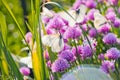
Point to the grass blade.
(15, 20)
(3, 28)
(36, 64)
(10, 60)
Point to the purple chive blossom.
(45, 19)
(101, 56)
(91, 4)
(90, 14)
(25, 71)
(110, 38)
(113, 53)
(52, 77)
(65, 21)
(84, 21)
(118, 40)
(63, 29)
(76, 52)
(107, 66)
(56, 23)
(50, 31)
(114, 2)
(92, 32)
(76, 5)
(100, 1)
(86, 51)
(46, 55)
(84, 27)
(28, 37)
(65, 41)
(111, 16)
(66, 47)
(49, 64)
(104, 28)
(72, 33)
(109, 10)
(119, 10)
(93, 43)
(117, 23)
(67, 54)
(60, 65)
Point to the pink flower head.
(93, 43)
(45, 19)
(28, 37)
(101, 1)
(46, 55)
(86, 51)
(92, 32)
(110, 38)
(66, 47)
(110, 9)
(90, 14)
(25, 71)
(84, 27)
(114, 2)
(72, 33)
(77, 4)
(104, 28)
(56, 23)
(101, 57)
(113, 53)
(50, 31)
(107, 66)
(60, 65)
(119, 10)
(111, 16)
(49, 64)
(117, 23)
(84, 21)
(91, 4)
(66, 54)
(76, 51)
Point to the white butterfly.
(23, 61)
(55, 41)
(47, 12)
(99, 20)
(78, 15)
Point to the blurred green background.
(21, 10)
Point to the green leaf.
(36, 64)
(3, 27)
(15, 20)
(10, 60)
(35, 15)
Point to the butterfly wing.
(81, 15)
(47, 12)
(27, 61)
(54, 41)
(99, 20)
(57, 45)
(48, 39)
(67, 17)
